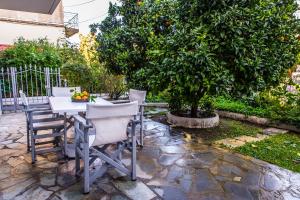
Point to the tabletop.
(65, 105)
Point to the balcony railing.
(71, 23)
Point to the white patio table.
(64, 106)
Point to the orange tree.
(198, 48)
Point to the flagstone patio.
(171, 165)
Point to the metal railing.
(71, 23)
(35, 82)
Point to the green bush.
(157, 97)
(77, 74)
(277, 104)
(35, 52)
(114, 85)
(282, 104)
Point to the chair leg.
(28, 137)
(33, 155)
(133, 154)
(65, 133)
(77, 156)
(120, 154)
(86, 173)
(142, 128)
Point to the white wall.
(57, 17)
(10, 31)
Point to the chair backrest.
(24, 99)
(110, 121)
(64, 91)
(137, 95)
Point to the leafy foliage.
(115, 85)
(35, 52)
(256, 39)
(69, 53)
(277, 103)
(198, 48)
(73, 73)
(88, 48)
(99, 77)
(238, 106)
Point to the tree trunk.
(194, 110)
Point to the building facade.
(38, 19)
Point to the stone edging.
(258, 120)
(188, 122)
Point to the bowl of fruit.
(81, 96)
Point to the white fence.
(35, 82)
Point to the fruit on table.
(81, 95)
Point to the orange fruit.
(78, 97)
(84, 97)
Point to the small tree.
(198, 48)
(256, 40)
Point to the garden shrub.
(277, 103)
(80, 66)
(114, 85)
(77, 74)
(69, 53)
(282, 104)
(160, 97)
(35, 52)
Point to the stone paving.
(172, 166)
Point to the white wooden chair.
(140, 97)
(39, 117)
(105, 125)
(64, 91)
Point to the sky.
(89, 12)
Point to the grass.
(240, 107)
(282, 150)
(227, 129)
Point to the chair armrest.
(49, 119)
(30, 110)
(42, 112)
(39, 104)
(135, 121)
(82, 121)
(120, 101)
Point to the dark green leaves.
(200, 47)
